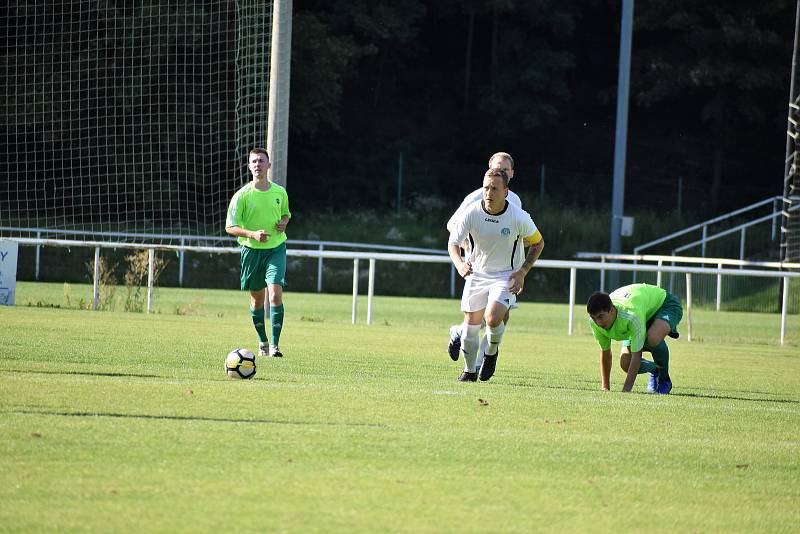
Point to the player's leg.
(483, 347)
(656, 333)
(257, 299)
(469, 346)
(456, 334)
(473, 304)
(485, 339)
(251, 280)
(646, 366)
(664, 323)
(454, 341)
(495, 326)
(275, 279)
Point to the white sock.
(495, 335)
(481, 351)
(469, 345)
(457, 329)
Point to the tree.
(723, 59)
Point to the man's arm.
(536, 244)
(633, 370)
(605, 369)
(282, 224)
(464, 268)
(238, 231)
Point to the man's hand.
(259, 235)
(605, 370)
(282, 224)
(633, 370)
(516, 282)
(465, 269)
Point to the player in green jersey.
(257, 216)
(641, 316)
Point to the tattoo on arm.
(533, 254)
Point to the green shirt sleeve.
(285, 205)
(602, 338)
(232, 218)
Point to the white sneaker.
(263, 350)
(275, 352)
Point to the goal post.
(278, 125)
(130, 117)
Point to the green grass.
(126, 422)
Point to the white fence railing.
(373, 257)
(184, 243)
(678, 260)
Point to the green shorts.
(263, 266)
(670, 311)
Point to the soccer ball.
(240, 363)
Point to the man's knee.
(257, 299)
(493, 320)
(275, 295)
(657, 332)
(654, 340)
(495, 314)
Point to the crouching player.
(641, 316)
(495, 229)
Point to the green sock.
(661, 357)
(276, 319)
(258, 322)
(647, 367)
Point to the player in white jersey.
(504, 162)
(495, 229)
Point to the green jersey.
(254, 209)
(635, 304)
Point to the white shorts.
(479, 290)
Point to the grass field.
(126, 422)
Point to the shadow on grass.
(80, 373)
(190, 418)
(731, 397)
(591, 385)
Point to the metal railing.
(776, 202)
(660, 260)
(373, 257)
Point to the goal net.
(130, 118)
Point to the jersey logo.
(491, 220)
(278, 201)
(665, 317)
(506, 232)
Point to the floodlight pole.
(621, 138)
(280, 68)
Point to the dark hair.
(598, 302)
(259, 150)
(498, 172)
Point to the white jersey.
(496, 240)
(477, 196)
